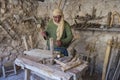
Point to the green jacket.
(67, 33)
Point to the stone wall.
(17, 19)
(71, 8)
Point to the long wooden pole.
(31, 41)
(52, 49)
(113, 52)
(51, 45)
(106, 59)
(117, 72)
(109, 65)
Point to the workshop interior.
(59, 40)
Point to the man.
(60, 31)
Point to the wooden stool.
(5, 65)
(91, 61)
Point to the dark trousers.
(63, 50)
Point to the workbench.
(51, 72)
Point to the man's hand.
(44, 34)
(58, 43)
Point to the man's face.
(57, 18)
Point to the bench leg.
(27, 74)
(3, 71)
(15, 71)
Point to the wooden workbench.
(53, 72)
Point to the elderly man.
(60, 31)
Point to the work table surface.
(51, 71)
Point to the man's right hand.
(44, 34)
(58, 43)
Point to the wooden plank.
(38, 53)
(43, 69)
(36, 59)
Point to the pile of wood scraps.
(70, 64)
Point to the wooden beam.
(38, 53)
(106, 59)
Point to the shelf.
(100, 29)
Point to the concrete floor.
(20, 76)
(12, 76)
